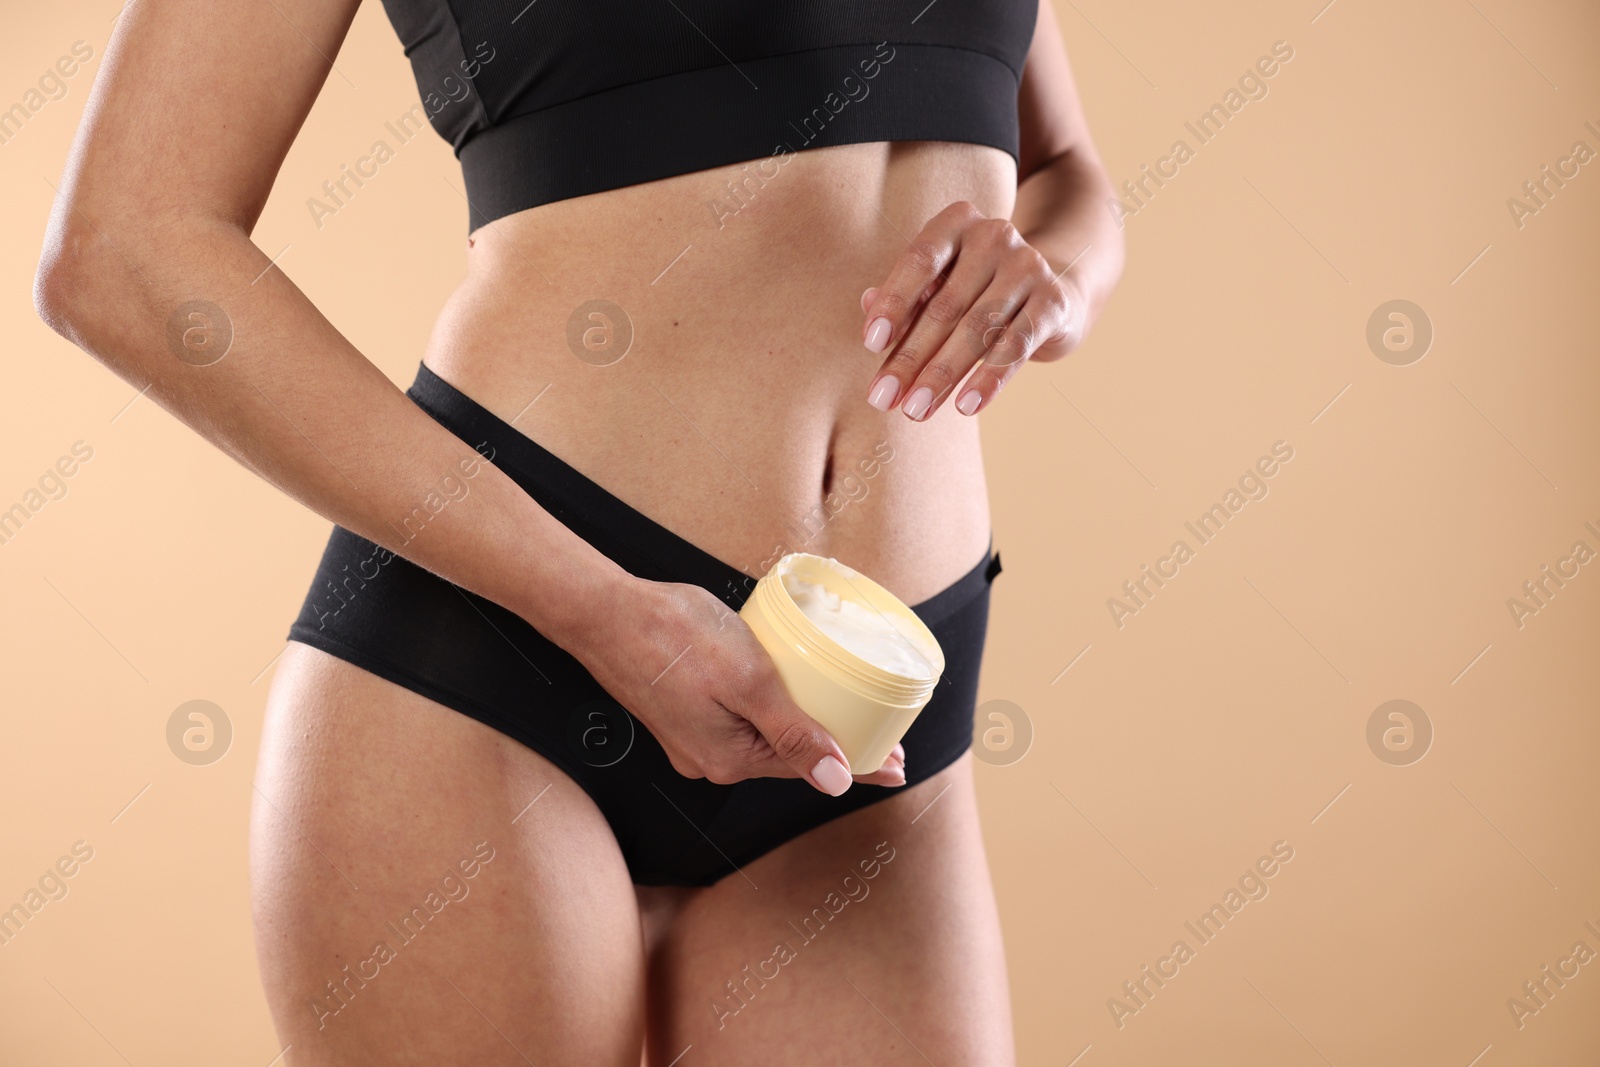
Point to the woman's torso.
(737, 416)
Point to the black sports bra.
(549, 99)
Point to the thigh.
(872, 938)
(426, 890)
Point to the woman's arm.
(1062, 190)
(191, 115)
(1002, 291)
(189, 119)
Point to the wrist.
(1065, 221)
(1086, 276)
(573, 605)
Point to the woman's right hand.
(692, 671)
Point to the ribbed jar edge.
(865, 678)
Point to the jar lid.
(863, 629)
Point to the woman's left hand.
(968, 290)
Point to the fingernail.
(866, 297)
(831, 775)
(917, 404)
(884, 392)
(878, 334)
(898, 750)
(969, 401)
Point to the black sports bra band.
(571, 98)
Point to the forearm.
(295, 402)
(1061, 211)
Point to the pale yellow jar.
(866, 706)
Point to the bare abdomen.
(693, 345)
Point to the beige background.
(1228, 714)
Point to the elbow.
(78, 282)
(61, 282)
(54, 293)
(98, 294)
(51, 288)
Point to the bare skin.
(742, 401)
(548, 955)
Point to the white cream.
(861, 628)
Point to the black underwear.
(401, 622)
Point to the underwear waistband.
(632, 539)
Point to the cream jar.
(850, 653)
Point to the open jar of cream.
(850, 653)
